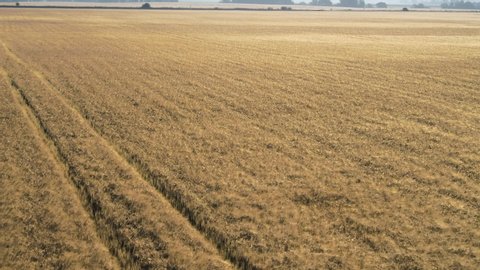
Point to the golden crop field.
(239, 140)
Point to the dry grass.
(288, 140)
(41, 218)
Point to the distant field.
(248, 140)
(156, 5)
(217, 5)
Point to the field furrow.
(140, 226)
(333, 140)
(42, 220)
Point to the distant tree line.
(321, 3)
(348, 3)
(342, 3)
(270, 2)
(351, 3)
(461, 5)
(421, 5)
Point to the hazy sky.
(334, 1)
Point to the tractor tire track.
(185, 205)
(138, 224)
(47, 148)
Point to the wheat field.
(239, 140)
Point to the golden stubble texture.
(272, 140)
